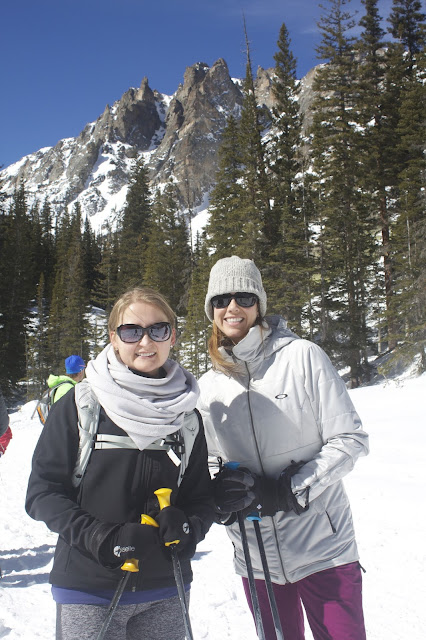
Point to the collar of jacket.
(261, 342)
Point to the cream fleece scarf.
(145, 408)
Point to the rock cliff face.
(178, 136)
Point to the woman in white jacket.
(274, 403)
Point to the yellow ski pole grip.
(133, 563)
(148, 520)
(163, 496)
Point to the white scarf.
(146, 408)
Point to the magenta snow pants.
(332, 600)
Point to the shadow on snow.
(17, 565)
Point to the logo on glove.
(119, 550)
(185, 527)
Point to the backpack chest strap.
(109, 441)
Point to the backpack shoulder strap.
(53, 390)
(88, 408)
(189, 431)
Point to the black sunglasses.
(159, 332)
(242, 300)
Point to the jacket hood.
(262, 342)
(53, 380)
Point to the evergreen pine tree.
(287, 121)
(47, 248)
(407, 26)
(404, 78)
(256, 192)
(409, 232)
(68, 321)
(37, 346)
(17, 279)
(377, 115)
(343, 220)
(105, 288)
(225, 228)
(91, 255)
(286, 270)
(168, 256)
(134, 230)
(196, 332)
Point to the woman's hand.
(130, 540)
(236, 490)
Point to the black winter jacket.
(117, 487)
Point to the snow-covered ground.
(386, 489)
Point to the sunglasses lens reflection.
(130, 333)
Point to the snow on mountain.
(177, 135)
(386, 490)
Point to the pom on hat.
(232, 275)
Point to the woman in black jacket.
(145, 397)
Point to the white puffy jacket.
(289, 403)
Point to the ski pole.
(250, 575)
(131, 566)
(255, 518)
(163, 496)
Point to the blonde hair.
(139, 294)
(219, 339)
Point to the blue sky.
(64, 60)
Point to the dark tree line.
(332, 211)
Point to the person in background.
(274, 403)
(145, 398)
(74, 368)
(5, 430)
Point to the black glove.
(286, 499)
(236, 490)
(130, 540)
(268, 490)
(175, 525)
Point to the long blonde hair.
(139, 294)
(219, 339)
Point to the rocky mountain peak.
(178, 136)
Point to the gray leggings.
(159, 620)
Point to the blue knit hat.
(74, 364)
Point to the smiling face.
(235, 321)
(145, 356)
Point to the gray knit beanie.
(235, 274)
